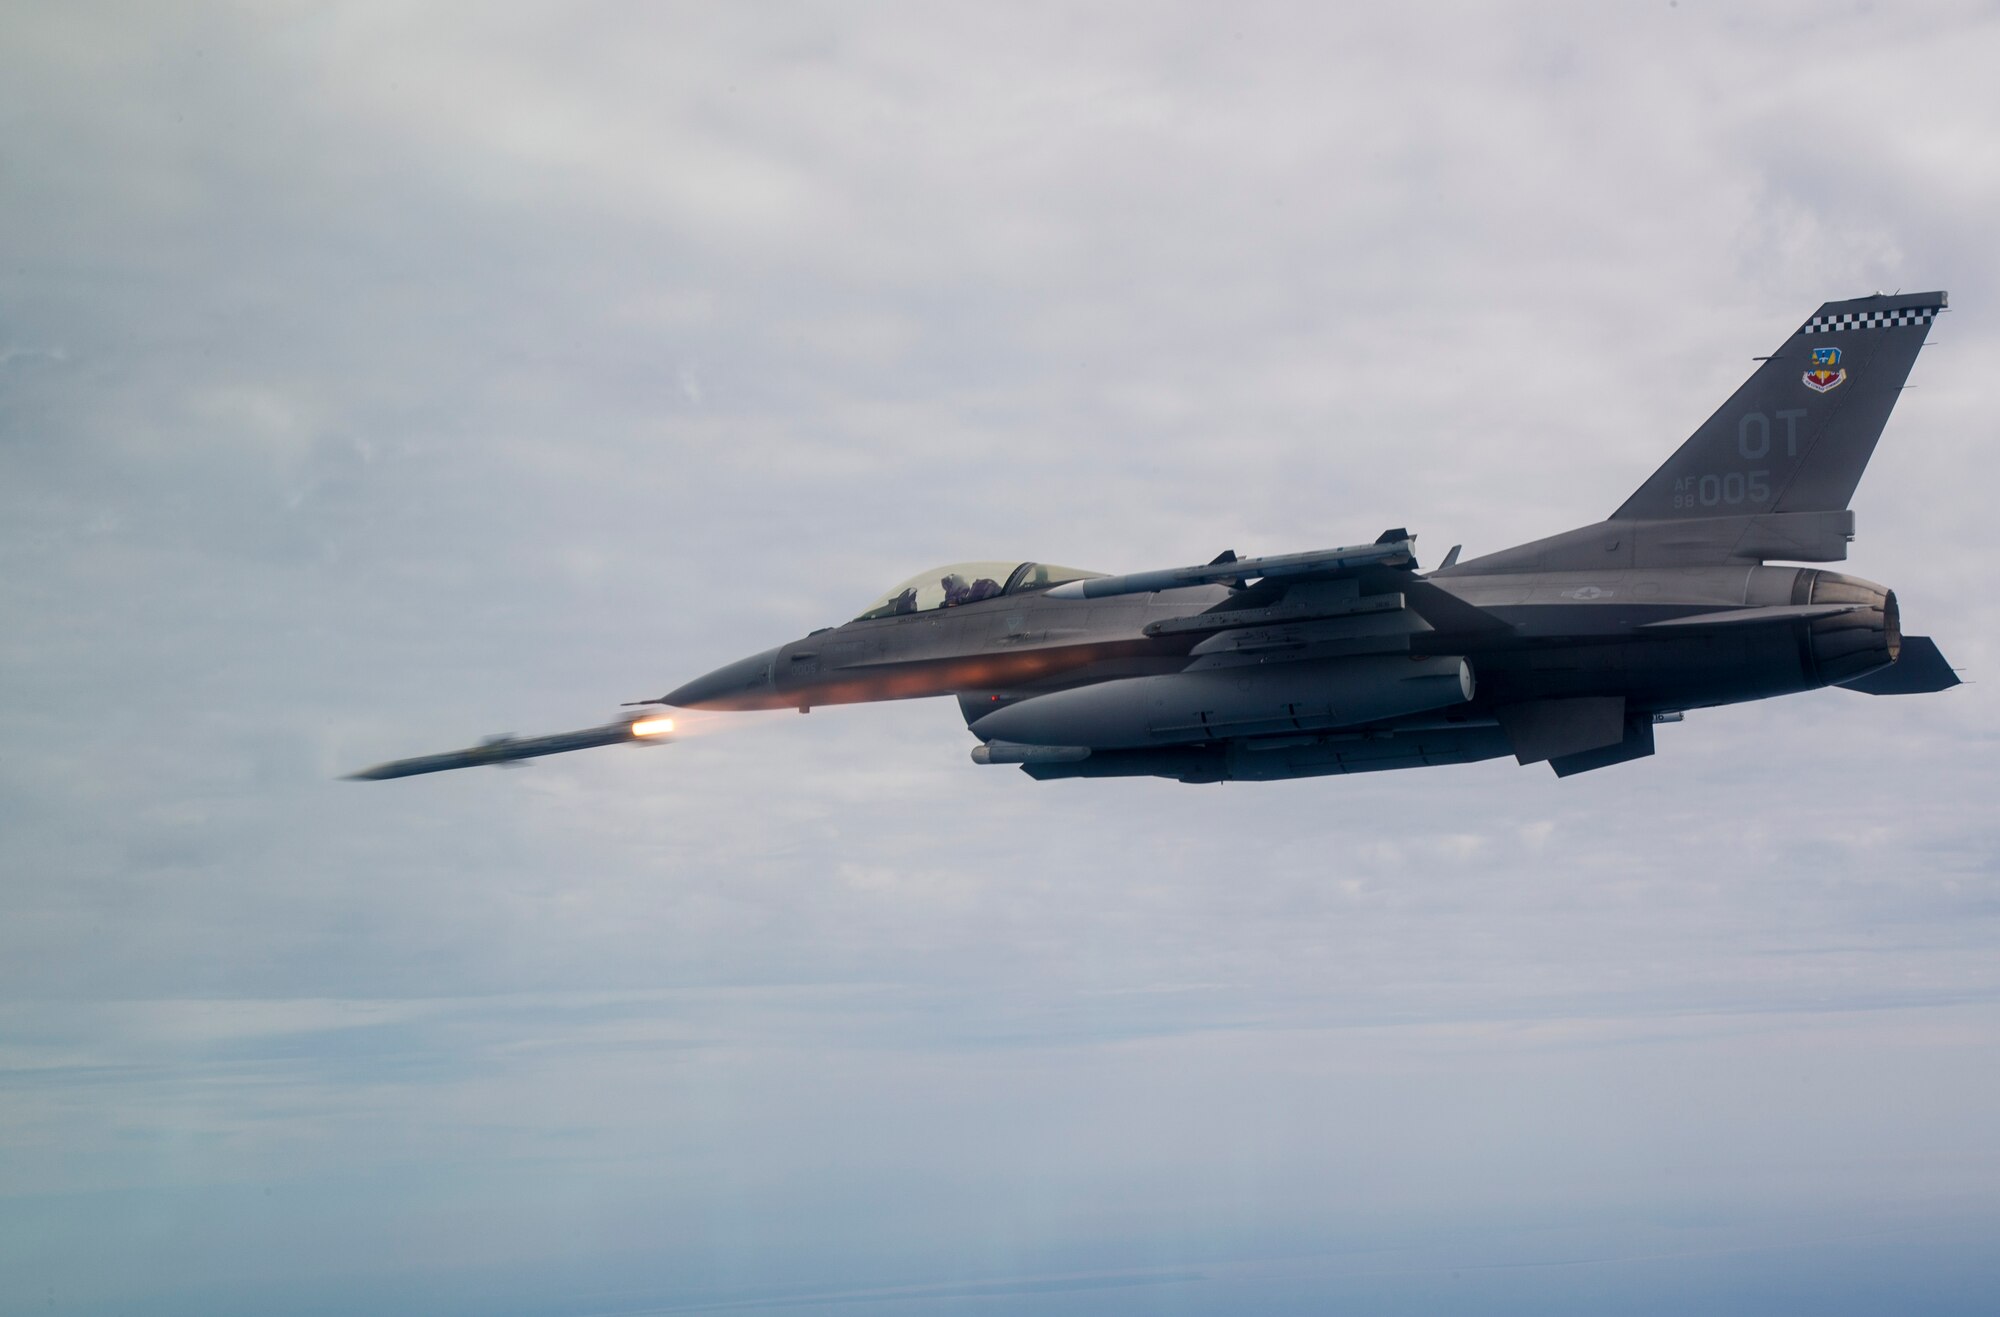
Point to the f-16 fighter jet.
(1566, 650)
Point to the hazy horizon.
(376, 377)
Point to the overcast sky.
(377, 377)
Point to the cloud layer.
(375, 378)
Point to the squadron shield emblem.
(1827, 372)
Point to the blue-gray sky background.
(378, 377)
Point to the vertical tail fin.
(1797, 435)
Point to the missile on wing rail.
(510, 749)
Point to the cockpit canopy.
(968, 583)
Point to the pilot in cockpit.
(957, 592)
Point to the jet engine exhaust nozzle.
(1846, 645)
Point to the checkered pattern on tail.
(1909, 315)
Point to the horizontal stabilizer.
(1918, 670)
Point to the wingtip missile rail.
(643, 729)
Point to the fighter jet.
(1566, 650)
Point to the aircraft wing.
(1315, 565)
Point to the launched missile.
(510, 749)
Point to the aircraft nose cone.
(744, 684)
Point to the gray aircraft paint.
(1565, 650)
